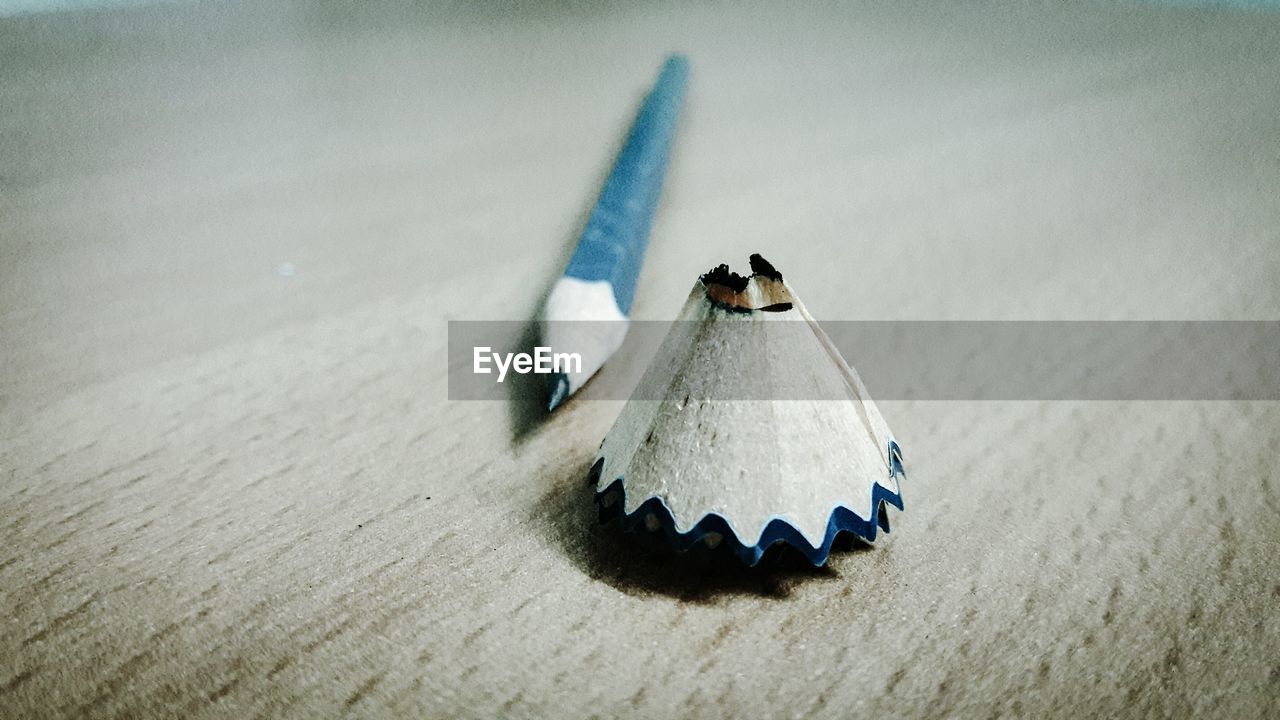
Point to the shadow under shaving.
(643, 564)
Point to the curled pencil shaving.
(706, 467)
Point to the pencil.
(599, 283)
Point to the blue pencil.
(600, 282)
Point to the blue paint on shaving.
(777, 531)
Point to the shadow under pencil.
(528, 393)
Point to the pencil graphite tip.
(584, 318)
(559, 391)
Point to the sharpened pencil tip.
(559, 392)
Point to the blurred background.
(165, 162)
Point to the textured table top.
(231, 483)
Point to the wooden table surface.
(231, 483)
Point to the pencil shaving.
(705, 466)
